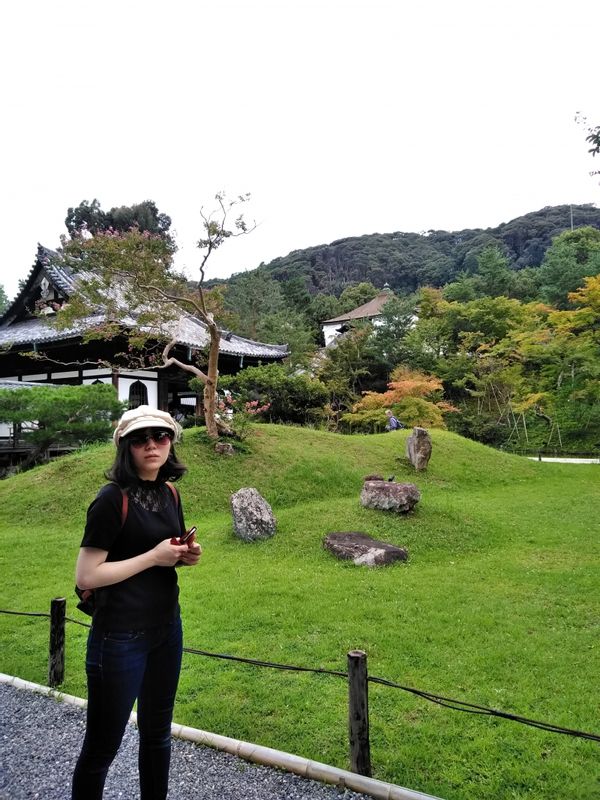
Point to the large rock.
(418, 448)
(363, 549)
(388, 496)
(252, 515)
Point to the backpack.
(87, 597)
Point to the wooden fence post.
(56, 657)
(358, 713)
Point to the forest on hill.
(407, 261)
(506, 352)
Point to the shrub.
(406, 395)
(293, 397)
(410, 411)
(69, 415)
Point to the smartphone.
(187, 538)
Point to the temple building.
(65, 357)
(367, 312)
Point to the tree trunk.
(214, 426)
(210, 387)
(210, 410)
(36, 454)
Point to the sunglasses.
(142, 438)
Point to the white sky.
(341, 118)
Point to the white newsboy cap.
(145, 417)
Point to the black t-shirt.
(149, 598)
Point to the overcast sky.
(340, 118)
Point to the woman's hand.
(192, 555)
(167, 554)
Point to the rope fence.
(357, 677)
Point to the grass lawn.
(498, 605)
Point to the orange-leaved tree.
(414, 396)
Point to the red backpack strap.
(124, 503)
(173, 492)
(124, 506)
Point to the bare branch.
(41, 356)
(169, 360)
(166, 297)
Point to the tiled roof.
(4, 384)
(192, 332)
(61, 277)
(366, 311)
(189, 331)
(36, 331)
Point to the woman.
(128, 557)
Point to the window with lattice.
(138, 395)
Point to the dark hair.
(124, 472)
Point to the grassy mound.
(498, 604)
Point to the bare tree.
(216, 233)
(130, 279)
(592, 138)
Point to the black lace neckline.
(142, 484)
(149, 494)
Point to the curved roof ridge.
(280, 347)
(372, 308)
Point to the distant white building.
(371, 312)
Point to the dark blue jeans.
(123, 666)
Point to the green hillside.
(409, 260)
(498, 604)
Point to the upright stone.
(418, 448)
(252, 516)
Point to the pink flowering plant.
(241, 414)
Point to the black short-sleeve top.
(149, 598)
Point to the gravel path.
(40, 740)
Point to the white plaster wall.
(138, 373)
(95, 372)
(69, 374)
(330, 332)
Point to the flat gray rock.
(362, 549)
(224, 449)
